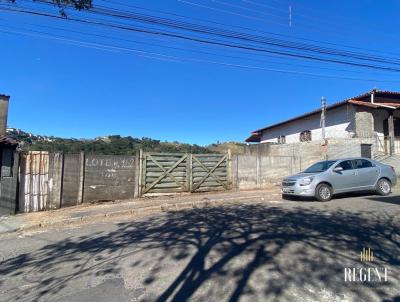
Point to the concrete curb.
(137, 212)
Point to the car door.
(344, 180)
(367, 173)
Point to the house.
(374, 114)
(8, 163)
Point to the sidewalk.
(128, 208)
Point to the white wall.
(379, 117)
(339, 124)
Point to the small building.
(8, 162)
(375, 114)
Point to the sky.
(62, 88)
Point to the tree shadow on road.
(231, 253)
(386, 199)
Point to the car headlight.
(306, 181)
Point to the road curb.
(137, 212)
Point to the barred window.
(305, 136)
(281, 139)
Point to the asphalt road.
(260, 251)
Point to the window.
(281, 139)
(305, 136)
(7, 162)
(346, 165)
(320, 166)
(362, 163)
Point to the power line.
(246, 37)
(179, 48)
(158, 56)
(298, 22)
(163, 22)
(248, 28)
(230, 12)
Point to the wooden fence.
(183, 172)
(55, 180)
(34, 180)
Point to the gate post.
(229, 169)
(189, 174)
(139, 173)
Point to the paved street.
(253, 251)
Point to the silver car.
(325, 178)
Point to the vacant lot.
(254, 251)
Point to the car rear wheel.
(383, 187)
(323, 192)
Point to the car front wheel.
(383, 187)
(323, 192)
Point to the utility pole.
(323, 115)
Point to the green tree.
(63, 4)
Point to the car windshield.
(320, 166)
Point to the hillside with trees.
(113, 144)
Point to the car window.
(346, 165)
(320, 166)
(362, 163)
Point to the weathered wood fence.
(55, 180)
(183, 172)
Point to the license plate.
(286, 190)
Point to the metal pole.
(323, 114)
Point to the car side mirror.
(338, 169)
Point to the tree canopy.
(62, 4)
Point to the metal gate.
(183, 172)
(34, 179)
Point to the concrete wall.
(72, 184)
(339, 124)
(60, 180)
(55, 179)
(109, 177)
(258, 171)
(266, 164)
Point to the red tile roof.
(8, 141)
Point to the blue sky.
(73, 91)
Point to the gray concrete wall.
(72, 183)
(109, 177)
(55, 179)
(266, 164)
(364, 123)
(257, 171)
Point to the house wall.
(364, 122)
(340, 123)
(379, 116)
(8, 180)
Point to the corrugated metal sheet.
(34, 181)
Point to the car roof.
(347, 158)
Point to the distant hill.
(235, 147)
(113, 144)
